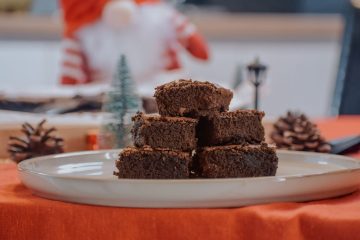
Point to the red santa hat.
(81, 13)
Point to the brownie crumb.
(153, 130)
(148, 163)
(228, 128)
(237, 161)
(192, 98)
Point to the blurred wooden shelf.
(269, 26)
(214, 25)
(5, 160)
(74, 136)
(25, 26)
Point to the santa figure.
(149, 32)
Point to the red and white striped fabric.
(188, 37)
(80, 64)
(74, 69)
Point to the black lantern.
(257, 72)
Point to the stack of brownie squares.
(195, 135)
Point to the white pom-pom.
(119, 13)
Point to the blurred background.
(308, 46)
(59, 60)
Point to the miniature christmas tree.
(121, 102)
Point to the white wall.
(25, 63)
(301, 74)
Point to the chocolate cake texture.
(149, 163)
(191, 98)
(153, 130)
(195, 136)
(234, 161)
(237, 127)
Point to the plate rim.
(23, 169)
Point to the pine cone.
(296, 132)
(37, 142)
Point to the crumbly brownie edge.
(157, 117)
(130, 164)
(257, 160)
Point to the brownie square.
(236, 161)
(177, 133)
(191, 98)
(148, 163)
(238, 127)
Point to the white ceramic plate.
(87, 177)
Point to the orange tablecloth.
(24, 216)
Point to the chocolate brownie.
(236, 161)
(238, 127)
(191, 98)
(148, 163)
(164, 132)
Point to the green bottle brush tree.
(121, 102)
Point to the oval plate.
(87, 177)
